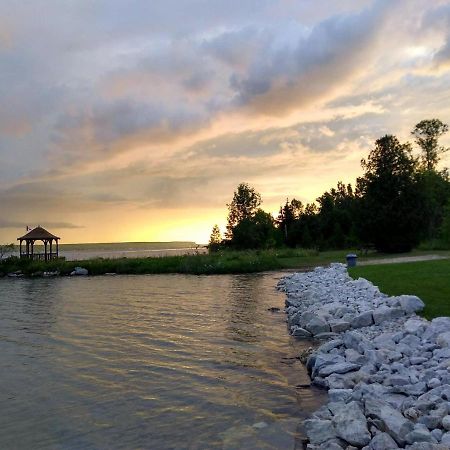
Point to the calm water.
(77, 252)
(157, 362)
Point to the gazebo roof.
(38, 233)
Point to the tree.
(427, 133)
(257, 231)
(215, 239)
(287, 221)
(6, 250)
(244, 205)
(390, 209)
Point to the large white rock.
(410, 303)
(384, 313)
(444, 339)
(392, 420)
(382, 441)
(319, 431)
(364, 319)
(317, 325)
(446, 423)
(351, 425)
(79, 271)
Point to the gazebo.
(38, 234)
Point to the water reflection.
(145, 362)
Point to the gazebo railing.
(39, 256)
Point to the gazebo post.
(57, 248)
(45, 250)
(51, 253)
(20, 252)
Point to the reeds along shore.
(214, 263)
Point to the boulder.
(79, 271)
(364, 319)
(446, 423)
(351, 425)
(414, 326)
(419, 434)
(392, 420)
(446, 439)
(340, 368)
(300, 332)
(410, 303)
(339, 395)
(443, 339)
(384, 313)
(319, 431)
(382, 441)
(317, 325)
(338, 326)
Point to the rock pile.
(387, 370)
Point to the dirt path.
(401, 259)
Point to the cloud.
(112, 109)
(14, 224)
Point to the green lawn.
(430, 280)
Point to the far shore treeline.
(399, 202)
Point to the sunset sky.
(135, 120)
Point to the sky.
(135, 121)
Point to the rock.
(382, 441)
(414, 326)
(397, 380)
(392, 420)
(446, 423)
(411, 389)
(260, 425)
(419, 435)
(430, 421)
(384, 313)
(444, 339)
(338, 326)
(410, 303)
(434, 383)
(319, 431)
(340, 368)
(445, 439)
(317, 325)
(437, 434)
(352, 339)
(355, 357)
(351, 425)
(79, 271)
(339, 395)
(364, 319)
(300, 332)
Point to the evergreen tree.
(215, 239)
(244, 205)
(427, 134)
(390, 213)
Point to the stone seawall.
(387, 370)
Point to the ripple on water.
(162, 362)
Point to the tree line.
(399, 201)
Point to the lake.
(157, 362)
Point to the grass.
(429, 280)
(215, 263)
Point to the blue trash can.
(351, 260)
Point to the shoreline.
(200, 263)
(387, 370)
